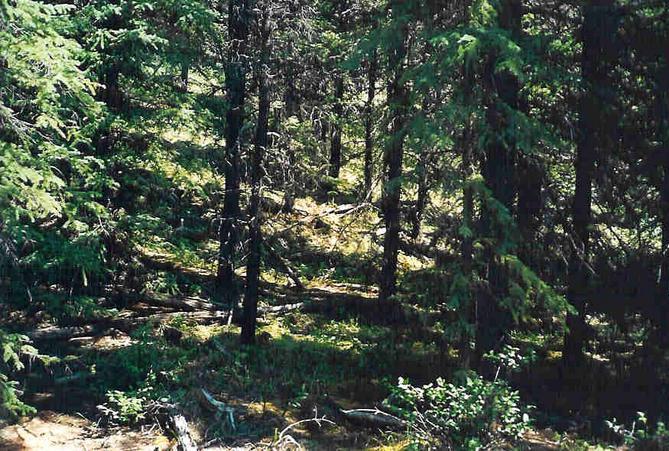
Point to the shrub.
(12, 347)
(642, 434)
(468, 415)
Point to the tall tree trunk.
(227, 289)
(292, 108)
(662, 90)
(372, 69)
(422, 194)
(599, 29)
(664, 269)
(398, 105)
(498, 172)
(290, 97)
(183, 76)
(255, 213)
(530, 207)
(530, 201)
(112, 95)
(529, 180)
(335, 143)
(467, 245)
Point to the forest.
(334, 224)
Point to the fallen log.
(65, 333)
(278, 309)
(179, 426)
(185, 303)
(206, 317)
(424, 250)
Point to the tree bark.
(530, 206)
(372, 70)
(422, 195)
(335, 143)
(255, 213)
(598, 50)
(662, 90)
(112, 95)
(398, 104)
(183, 76)
(498, 173)
(664, 269)
(227, 289)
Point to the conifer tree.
(227, 290)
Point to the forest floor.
(335, 347)
(322, 347)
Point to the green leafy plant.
(641, 433)
(13, 347)
(463, 415)
(124, 408)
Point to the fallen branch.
(285, 440)
(284, 266)
(423, 250)
(374, 417)
(218, 407)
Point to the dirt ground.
(57, 432)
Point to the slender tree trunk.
(255, 213)
(398, 104)
(290, 97)
(112, 92)
(227, 289)
(530, 206)
(422, 195)
(291, 101)
(529, 180)
(664, 269)
(372, 70)
(598, 32)
(663, 138)
(467, 245)
(498, 172)
(183, 76)
(335, 143)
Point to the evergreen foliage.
(495, 172)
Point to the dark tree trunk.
(335, 143)
(467, 245)
(664, 269)
(530, 179)
(599, 29)
(290, 97)
(422, 194)
(227, 289)
(112, 95)
(498, 173)
(663, 138)
(398, 104)
(255, 213)
(183, 77)
(530, 204)
(529, 213)
(372, 70)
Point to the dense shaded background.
(477, 191)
